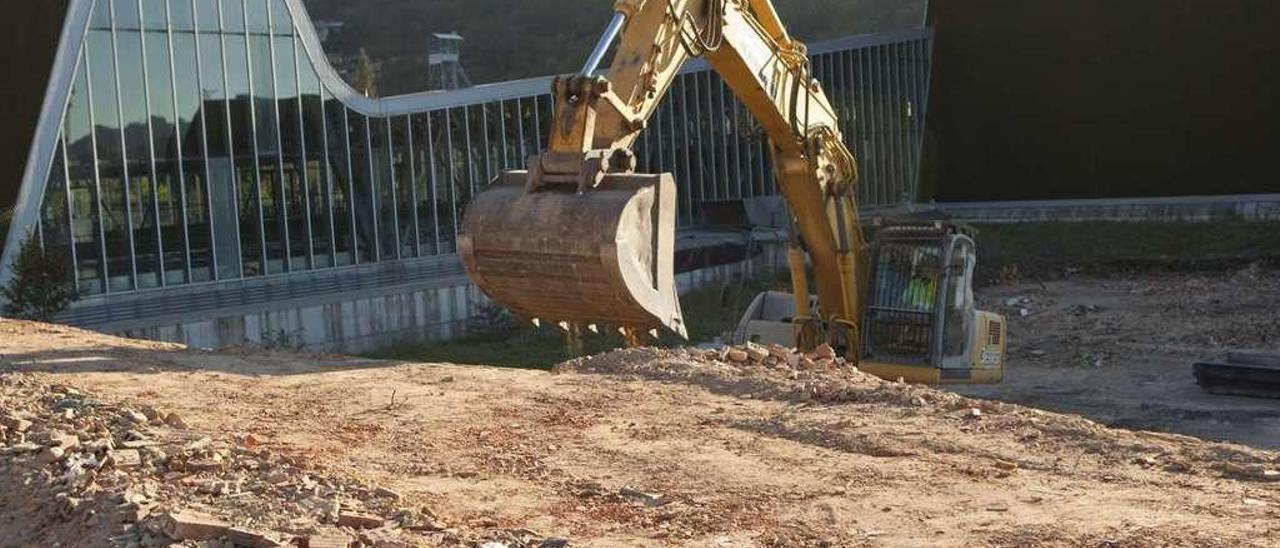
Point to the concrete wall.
(1259, 208)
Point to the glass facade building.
(190, 142)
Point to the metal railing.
(196, 142)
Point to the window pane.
(164, 130)
(365, 222)
(126, 14)
(403, 185)
(182, 15)
(264, 104)
(80, 168)
(242, 144)
(191, 135)
(214, 93)
(154, 15)
(458, 169)
(317, 182)
(101, 16)
(221, 169)
(233, 16)
(281, 22)
(258, 16)
(385, 199)
(137, 133)
(447, 189)
(424, 171)
(339, 169)
(111, 170)
(291, 149)
(207, 15)
(55, 226)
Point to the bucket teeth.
(602, 256)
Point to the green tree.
(366, 75)
(43, 283)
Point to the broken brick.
(16, 424)
(188, 525)
(327, 541)
(357, 520)
(64, 441)
(204, 465)
(250, 538)
(125, 459)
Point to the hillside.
(508, 39)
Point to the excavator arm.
(581, 239)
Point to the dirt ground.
(1120, 349)
(663, 448)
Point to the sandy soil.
(724, 456)
(1120, 350)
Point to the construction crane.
(580, 239)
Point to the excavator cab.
(921, 322)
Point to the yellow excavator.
(582, 240)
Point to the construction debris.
(650, 447)
(110, 464)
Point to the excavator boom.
(580, 238)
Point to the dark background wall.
(29, 36)
(1091, 98)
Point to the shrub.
(43, 283)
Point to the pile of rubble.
(79, 471)
(765, 372)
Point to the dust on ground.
(1120, 349)
(111, 442)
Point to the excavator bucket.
(602, 256)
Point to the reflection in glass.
(385, 201)
(207, 15)
(403, 184)
(318, 183)
(339, 168)
(100, 18)
(126, 14)
(256, 10)
(264, 105)
(55, 225)
(428, 206)
(281, 22)
(294, 182)
(111, 173)
(224, 216)
(80, 153)
(191, 139)
(362, 198)
(181, 15)
(137, 137)
(155, 14)
(242, 150)
(233, 16)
